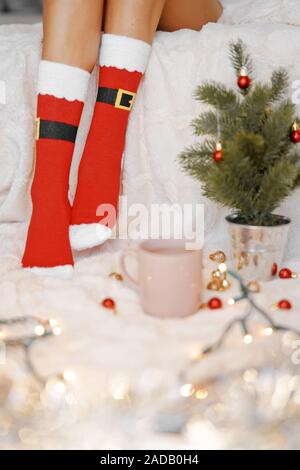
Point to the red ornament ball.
(110, 304)
(215, 303)
(285, 273)
(284, 305)
(244, 82)
(274, 269)
(218, 155)
(295, 136)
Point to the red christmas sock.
(61, 93)
(123, 61)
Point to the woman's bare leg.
(191, 14)
(71, 43)
(137, 19)
(72, 32)
(129, 28)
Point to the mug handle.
(130, 279)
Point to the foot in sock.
(123, 61)
(61, 94)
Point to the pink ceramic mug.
(170, 277)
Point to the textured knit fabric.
(123, 61)
(48, 235)
(61, 93)
(100, 168)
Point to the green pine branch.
(206, 124)
(196, 161)
(217, 95)
(210, 122)
(224, 186)
(279, 84)
(277, 183)
(240, 57)
(276, 131)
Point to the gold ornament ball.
(218, 257)
(217, 274)
(254, 287)
(116, 276)
(226, 285)
(214, 285)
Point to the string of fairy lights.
(41, 329)
(251, 308)
(246, 294)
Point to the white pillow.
(261, 11)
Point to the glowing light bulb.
(187, 390)
(56, 331)
(250, 375)
(68, 375)
(268, 331)
(120, 392)
(201, 394)
(196, 353)
(248, 339)
(231, 302)
(222, 267)
(59, 387)
(39, 330)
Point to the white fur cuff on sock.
(62, 81)
(124, 53)
(61, 272)
(86, 236)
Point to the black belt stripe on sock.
(56, 130)
(110, 96)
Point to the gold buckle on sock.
(37, 128)
(120, 96)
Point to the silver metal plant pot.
(257, 251)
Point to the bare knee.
(190, 14)
(135, 18)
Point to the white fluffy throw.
(93, 340)
(160, 123)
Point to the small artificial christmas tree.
(248, 161)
